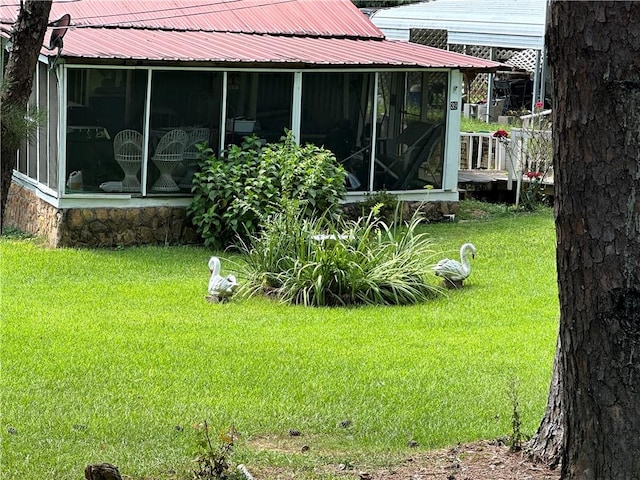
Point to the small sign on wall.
(453, 105)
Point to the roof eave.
(258, 64)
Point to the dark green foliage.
(532, 196)
(22, 125)
(307, 173)
(386, 204)
(14, 233)
(327, 262)
(226, 201)
(233, 194)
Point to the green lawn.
(475, 125)
(106, 352)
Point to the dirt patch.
(475, 461)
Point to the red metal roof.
(300, 33)
(237, 48)
(333, 18)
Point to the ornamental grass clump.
(334, 262)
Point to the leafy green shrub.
(386, 204)
(224, 204)
(307, 173)
(233, 194)
(324, 261)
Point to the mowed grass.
(113, 356)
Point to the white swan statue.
(220, 287)
(453, 272)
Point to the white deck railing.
(529, 150)
(526, 149)
(483, 152)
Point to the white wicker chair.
(127, 150)
(196, 136)
(167, 157)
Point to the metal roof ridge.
(301, 34)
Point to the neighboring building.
(156, 69)
(509, 31)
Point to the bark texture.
(594, 52)
(27, 36)
(546, 444)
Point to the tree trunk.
(546, 444)
(594, 50)
(27, 37)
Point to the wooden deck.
(492, 184)
(482, 176)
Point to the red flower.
(532, 175)
(501, 134)
(539, 105)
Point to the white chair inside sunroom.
(190, 156)
(168, 155)
(127, 150)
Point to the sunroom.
(127, 104)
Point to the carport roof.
(516, 24)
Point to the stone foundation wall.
(111, 227)
(28, 213)
(97, 227)
(432, 211)
(436, 211)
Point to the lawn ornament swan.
(453, 272)
(220, 288)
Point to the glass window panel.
(336, 114)
(21, 164)
(32, 144)
(52, 122)
(411, 131)
(43, 170)
(100, 104)
(258, 103)
(185, 110)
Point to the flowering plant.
(501, 134)
(533, 190)
(539, 106)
